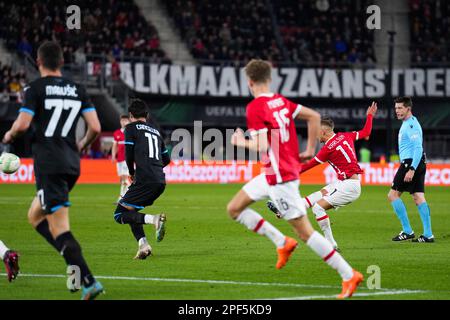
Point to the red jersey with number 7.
(339, 152)
(274, 114)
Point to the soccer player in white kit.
(270, 121)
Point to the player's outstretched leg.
(144, 248)
(136, 220)
(324, 222)
(322, 247)
(37, 218)
(11, 260)
(319, 212)
(71, 251)
(312, 199)
(237, 209)
(424, 211)
(400, 210)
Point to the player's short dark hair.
(51, 55)
(327, 122)
(138, 108)
(124, 116)
(258, 70)
(407, 101)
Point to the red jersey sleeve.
(255, 119)
(365, 132)
(294, 108)
(309, 165)
(322, 156)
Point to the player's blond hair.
(327, 122)
(259, 71)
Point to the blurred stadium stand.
(430, 24)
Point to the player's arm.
(309, 165)
(257, 143)
(26, 114)
(129, 149)
(312, 119)
(114, 151)
(416, 139)
(93, 129)
(320, 158)
(367, 130)
(129, 157)
(165, 158)
(19, 127)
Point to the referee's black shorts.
(141, 195)
(418, 182)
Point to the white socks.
(3, 249)
(123, 189)
(150, 219)
(324, 222)
(311, 200)
(325, 250)
(253, 221)
(142, 241)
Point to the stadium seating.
(232, 30)
(110, 27)
(430, 22)
(236, 30)
(334, 34)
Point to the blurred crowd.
(332, 32)
(230, 30)
(430, 24)
(110, 27)
(310, 32)
(11, 84)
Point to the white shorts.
(122, 169)
(343, 192)
(286, 196)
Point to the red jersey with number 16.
(339, 152)
(274, 114)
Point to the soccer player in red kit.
(270, 121)
(339, 151)
(118, 155)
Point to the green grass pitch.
(206, 255)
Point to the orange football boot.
(349, 287)
(285, 253)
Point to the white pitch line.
(243, 283)
(366, 294)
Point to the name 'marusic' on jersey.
(56, 104)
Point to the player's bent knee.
(118, 214)
(233, 210)
(392, 196)
(419, 199)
